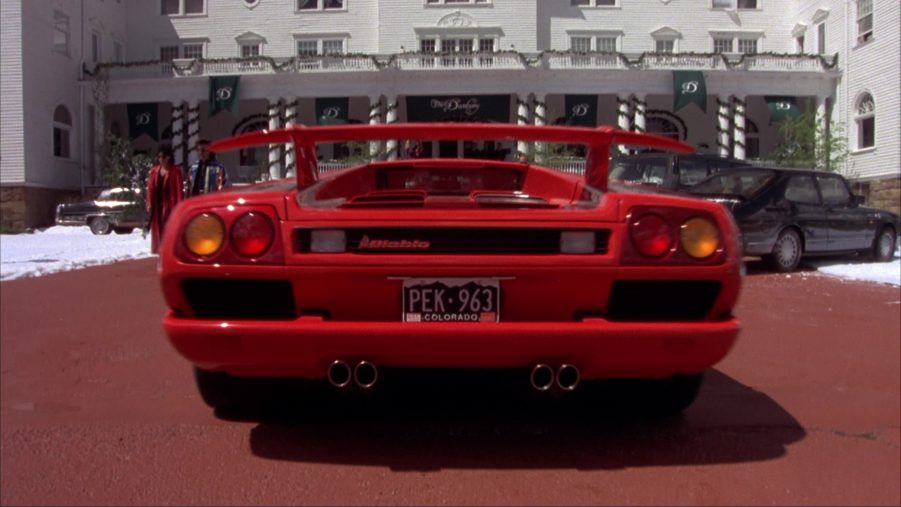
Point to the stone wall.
(886, 194)
(24, 208)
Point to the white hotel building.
(72, 69)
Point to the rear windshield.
(741, 183)
(647, 170)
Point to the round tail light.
(652, 236)
(204, 234)
(700, 238)
(252, 234)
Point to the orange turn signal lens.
(204, 234)
(700, 237)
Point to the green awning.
(689, 87)
(143, 119)
(581, 110)
(782, 107)
(332, 111)
(224, 94)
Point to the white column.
(392, 118)
(622, 117)
(192, 128)
(540, 119)
(375, 117)
(739, 127)
(722, 126)
(275, 165)
(822, 131)
(290, 156)
(178, 133)
(640, 108)
(522, 118)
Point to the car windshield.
(740, 183)
(691, 171)
(647, 170)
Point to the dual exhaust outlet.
(543, 377)
(365, 374)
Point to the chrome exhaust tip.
(567, 377)
(542, 377)
(339, 374)
(365, 375)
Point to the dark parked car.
(115, 209)
(784, 214)
(668, 170)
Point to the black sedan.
(115, 209)
(784, 214)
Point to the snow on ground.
(64, 248)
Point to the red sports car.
(458, 264)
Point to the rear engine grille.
(452, 240)
(658, 301)
(240, 299)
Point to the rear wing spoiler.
(598, 140)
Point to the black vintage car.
(670, 171)
(115, 209)
(784, 214)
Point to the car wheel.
(884, 245)
(786, 252)
(123, 230)
(100, 225)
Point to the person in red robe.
(164, 191)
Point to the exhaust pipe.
(365, 375)
(542, 377)
(567, 377)
(339, 374)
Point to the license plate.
(451, 300)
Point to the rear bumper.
(306, 346)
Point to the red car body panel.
(554, 307)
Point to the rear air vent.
(240, 299)
(661, 301)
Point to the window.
(95, 47)
(834, 191)
(250, 50)
(821, 39)
(456, 46)
(333, 46)
(486, 45)
(427, 45)
(168, 53)
(182, 7)
(454, 2)
(864, 20)
(607, 44)
(722, 45)
(799, 43)
(800, 189)
(319, 5)
(193, 50)
(60, 33)
(308, 47)
(747, 4)
(865, 120)
(747, 46)
(580, 44)
(62, 129)
(665, 45)
(316, 47)
(734, 4)
(593, 3)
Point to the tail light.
(252, 234)
(204, 234)
(699, 237)
(652, 236)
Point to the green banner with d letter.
(689, 87)
(224, 94)
(782, 108)
(331, 111)
(143, 119)
(581, 110)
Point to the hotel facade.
(718, 74)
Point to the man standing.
(206, 174)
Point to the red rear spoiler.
(597, 139)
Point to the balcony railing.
(768, 62)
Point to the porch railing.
(769, 62)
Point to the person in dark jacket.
(206, 174)
(164, 191)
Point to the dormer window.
(320, 5)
